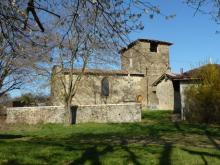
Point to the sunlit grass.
(155, 140)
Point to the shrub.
(30, 100)
(202, 103)
(24, 100)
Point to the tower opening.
(153, 47)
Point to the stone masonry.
(138, 57)
(108, 113)
(143, 61)
(111, 113)
(35, 115)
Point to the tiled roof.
(175, 77)
(103, 72)
(189, 75)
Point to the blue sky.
(194, 37)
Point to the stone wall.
(165, 94)
(153, 64)
(122, 89)
(113, 113)
(177, 98)
(34, 115)
(139, 58)
(107, 113)
(184, 85)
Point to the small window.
(131, 63)
(105, 87)
(153, 47)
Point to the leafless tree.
(83, 47)
(24, 19)
(208, 7)
(90, 31)
(9, 75)
(24, 44)
(83, 29)
(17, 67)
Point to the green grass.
(155, 140)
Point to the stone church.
(143, 63)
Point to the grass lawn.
(155, 140)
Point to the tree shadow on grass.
(212, 140)
(202, 154)
(93, 155)
(94, 145)
(56, 157)
(178, 127)
(93, 149)
(11, 162)
(132, 156)
(165, 158)
(10, 136)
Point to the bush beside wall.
(202, 102)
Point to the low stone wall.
(112, 113)
(107, 113)
(34, 115)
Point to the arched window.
(105, 87)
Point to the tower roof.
(144, 40)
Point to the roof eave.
(144, 40)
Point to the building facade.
(142, 63)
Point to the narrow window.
(105, 87)
(131, 63)
(153, 47)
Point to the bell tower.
(150, 57)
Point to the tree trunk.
(68, 114)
